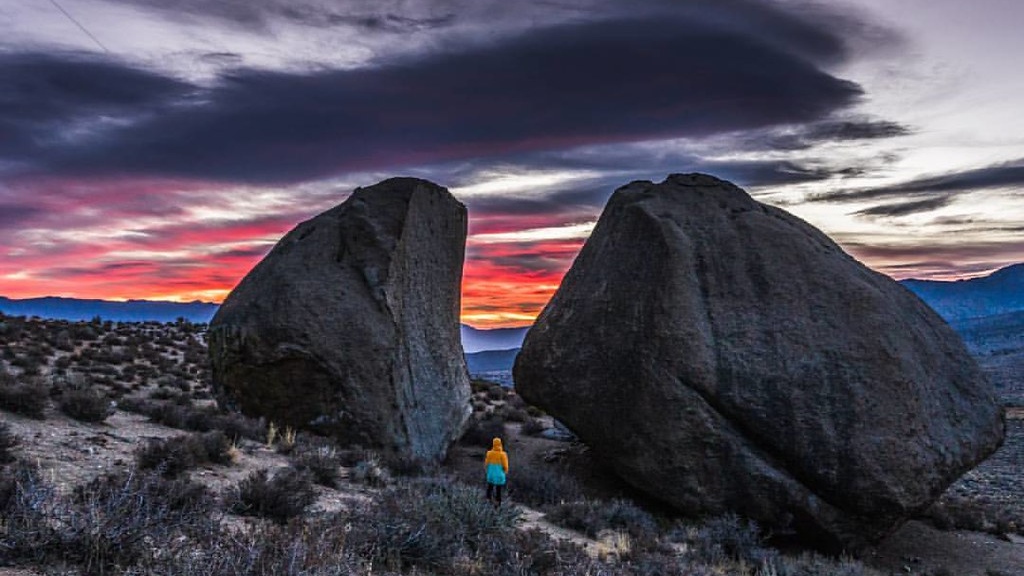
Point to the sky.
(158, 149)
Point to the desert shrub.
(237, 426)
(538, 553)
(481, 431)
(812, 564)
(165, 393)
(533, 426)
(234, 425)
(27, 398)
(119, 389)
(7, 488)
(314, 548)
(956, 512)
(542, 486)
(428, 524)
(321, 460)
(279, 498)
(478, 385)
(31, 363)
(8, 442)
(409, 466)
(730, 537)
(85, 405)
(594, 516)
(516, 401)
(82, 331)
(496, 392)
(27, 506)
(351, 456)
(118, 520)
(516, 414)
(176, 455)
(284, 439)
(370, 472)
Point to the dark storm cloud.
(371, 15)
(965, 251)
(906, 208)
(997, 176)
(810, 135)
(53, 87)
(823, 33)
(45, 95)
(560, 87)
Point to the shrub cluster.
(481, 431)
(730, 537)
(321, 459)
(176, 455)
(235, 426)
(370, 472)
(542, 486)
(85, 405)
(979, 514)
(28, 398)
(105, 525)
(533, 426)
(427, 524)
(594, 516)
(280, 497)
(8, 442)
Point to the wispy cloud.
(1003, 175)
(906, 208)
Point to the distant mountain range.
(477, 340)
(491, 360)
(1000, 292)
(75, 309)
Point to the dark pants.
(496, 490)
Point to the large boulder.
(350, 325)
(723, 355)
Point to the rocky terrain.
(997, 343)
(325, 510)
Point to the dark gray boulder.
(723, 355)
(350, 325)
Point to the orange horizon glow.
(186, 241)
(493, 296)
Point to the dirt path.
(924, 549)
(534, 519)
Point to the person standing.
(496, 465)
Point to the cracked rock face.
(350, 325)
(723, 355)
